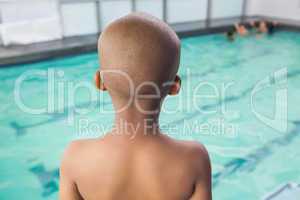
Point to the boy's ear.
(99, 82)
(175, 87)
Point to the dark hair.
(256, 24)
(231, 32)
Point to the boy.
(139, 57)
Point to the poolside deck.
(19, 54)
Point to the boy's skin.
(139, 163)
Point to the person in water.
(262, 28)
(241, 29)
(271, 26)
(139, 58)
(254, 26)
(230, 35)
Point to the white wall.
(186, 10)
(286, 9)
(38, 20)
(1, 42)
(17, 11)
(79, 18)
(228, 8)
(111, 10)
(252, 7)
(153, 7)
(26, 22)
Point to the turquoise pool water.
(252, 153)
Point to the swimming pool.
(252, 153)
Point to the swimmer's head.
(139, 58)
(230, 35)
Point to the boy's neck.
(134, 123)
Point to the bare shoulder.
(76, 147)
(75, 153)
(191, 150)
(196, 149)
(197, 156)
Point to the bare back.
(153, 167)
(139, 58)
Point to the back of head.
(138, 51)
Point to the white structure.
(25, 22)
(30, 21)
(283, 9)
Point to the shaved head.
(142, 48)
